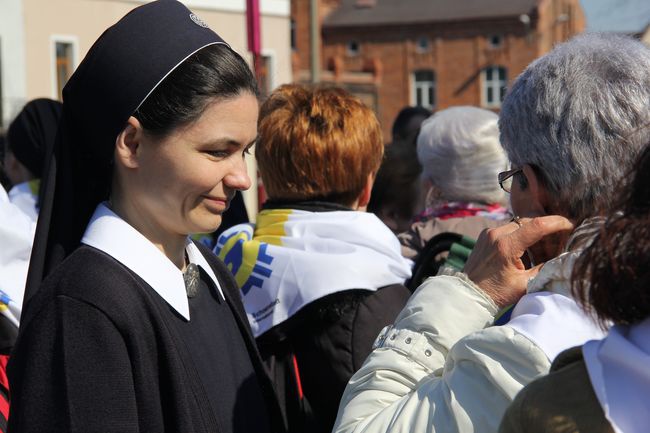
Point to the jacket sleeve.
(70, 372)
(439, 368)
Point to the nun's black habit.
(98, 349)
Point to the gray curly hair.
(576, 114)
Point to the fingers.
(533, 230)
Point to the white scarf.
(25, 197)
(294, 257)
(16, 237)
(619, 370)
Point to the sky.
(627, 16)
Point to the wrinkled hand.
(495, 264)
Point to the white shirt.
(114, 236)
(16, 237)
(25, 198)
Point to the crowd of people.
(132, 299)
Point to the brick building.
(433, 53)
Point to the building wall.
(457, 52)
(12, 60)
(84, 20)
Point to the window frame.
(73, 41)
(415, 85)
(352, 53)
(495, 84)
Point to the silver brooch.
(198, 21)
(191, 278)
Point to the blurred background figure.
(4, 180)
(407, 123)
(605, 385)
(395, 197)
(461, 157)
(28, 137)
(319, 276)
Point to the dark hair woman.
(605, 385)
(139, 329)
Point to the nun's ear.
(128, 143)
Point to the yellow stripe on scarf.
(270, 226)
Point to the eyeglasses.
(505, 179)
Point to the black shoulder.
(92, 277)
(567, 358)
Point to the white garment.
(110, 233)
(294, 257)
(619, 370)
(16, 237)
(23, 196)
(548, 314)
(442, 368)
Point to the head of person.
(612, 276)
(408, 122)
(461, 155)
(29, 136)
(161, 135)
(318, 144)
(395, 195)
(180, 158)
(569, 125)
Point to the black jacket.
(330, 339)
(96, 353)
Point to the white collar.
(114, 236)
(618, 370)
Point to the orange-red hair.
(317, 143)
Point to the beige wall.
(82, 21)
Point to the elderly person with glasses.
(442, 366)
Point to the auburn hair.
(612, 276)
(317, 143)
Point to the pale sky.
(626, 16)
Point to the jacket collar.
(114, 236)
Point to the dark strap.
(4, 393)
(428, 263)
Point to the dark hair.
(397, 181)
(612, 276)
(4, 180)
(215, 71)
(406, 123)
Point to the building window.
(64, 63)
(293, 34)
(422, 44)
(353, 48)
(424, 89)
(494, 81)
(495, 41)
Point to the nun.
(128, 325)
(29, 136)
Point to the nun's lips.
(219, 203)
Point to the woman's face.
(185, 180)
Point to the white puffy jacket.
(442, 367)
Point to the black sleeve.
(377, 310)
(70, 372)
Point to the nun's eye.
(218, 153)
